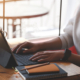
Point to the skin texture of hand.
(31, 47)
(47, 56)
(54, 44)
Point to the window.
(41, 26)
(37, 27)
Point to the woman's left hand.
(48, 56)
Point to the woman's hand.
(50, 56)
(53, 44)
(31, 47)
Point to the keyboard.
(24, 59)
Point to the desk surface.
(72, 70)
(22, 10)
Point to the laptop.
(9, 59)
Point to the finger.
(20, 47)
(43, 60)
(29, 51)
(36, 55)
(39, 57)
(15, 48)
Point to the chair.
(73, 49)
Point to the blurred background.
(35, 19)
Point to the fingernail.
(38, 60)
(32, 59)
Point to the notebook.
(59, 72)
(42, 69)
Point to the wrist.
(39, 46)
(67, 54)
(61, 54)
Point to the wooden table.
(72, 70)
(1, 1)
(15, 10)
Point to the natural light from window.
(40, 26)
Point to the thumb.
(29, 51)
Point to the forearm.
(53, 44)
(74, 58)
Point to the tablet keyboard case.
(6, 59)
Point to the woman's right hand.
(31, 47)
